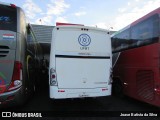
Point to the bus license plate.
(84, 95)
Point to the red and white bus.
(136, 59)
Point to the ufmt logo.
(84, 40)
(6, 114)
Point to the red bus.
(136, 59)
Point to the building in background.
(44, 36)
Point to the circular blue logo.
(84, 39)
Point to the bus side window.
(147, 31)
(121, 41)
(156, 27)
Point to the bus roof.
(81, 27)
(60, 23)
(146, 16)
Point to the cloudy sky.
(100, 13)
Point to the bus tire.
(117, 88)
(31, 84)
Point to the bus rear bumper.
(8, 99)
(56, 93)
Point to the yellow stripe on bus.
(28, 57)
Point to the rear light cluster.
(53, 77)
(17, 76)
(61, 90)
(110, 78)
(104, 89)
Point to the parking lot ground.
(86, 108)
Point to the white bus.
(80, 62)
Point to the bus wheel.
(31, 81)
(32, 87)
(117, 88)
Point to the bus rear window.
(8, 18)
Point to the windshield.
(8, 18)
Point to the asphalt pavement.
(90, 108)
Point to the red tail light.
(53, 76)
(16, 77)
(61, 90)
(104, 89)
(17, 71)
(53, 80)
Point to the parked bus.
(80, 62)
(19, 56)
(136, 59)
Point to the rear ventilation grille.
(4, 50)
(145, 84)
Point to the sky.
(107, 14)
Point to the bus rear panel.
(10, 70)
(80, 62)
(17, 60)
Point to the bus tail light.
(17, 76)
(104, 89)
(61, 90)
(53, 80)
